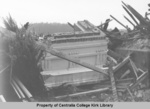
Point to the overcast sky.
(63, 11)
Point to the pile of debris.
(126, 79)
(122, 68)
(126, 83)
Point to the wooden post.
(113, 82)
(130, 94)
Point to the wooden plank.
(125, 74)
(139, 80)
(2, 99)
(20, 93)
(23, 88)
(130, 94)
(125, 61)
(82, 93)
(4, 69)
(15, 90)
(118, 22)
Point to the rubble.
(137, 40)
(124, 79)
(126, 82)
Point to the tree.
(28, 54)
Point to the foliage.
(27, 55)
(10, 24)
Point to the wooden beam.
(139, 80)
(4, 69)
(23, 88)
(82, 93)
(113, 81)
(17, 88)
(119, 22)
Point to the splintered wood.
(113, 82)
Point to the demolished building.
(84, 57)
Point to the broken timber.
(139, 80)
(21, 90)
(130, 14)
(129, 21)
(120, 84)
(119, 22)
(82, 93)
(113, 82)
